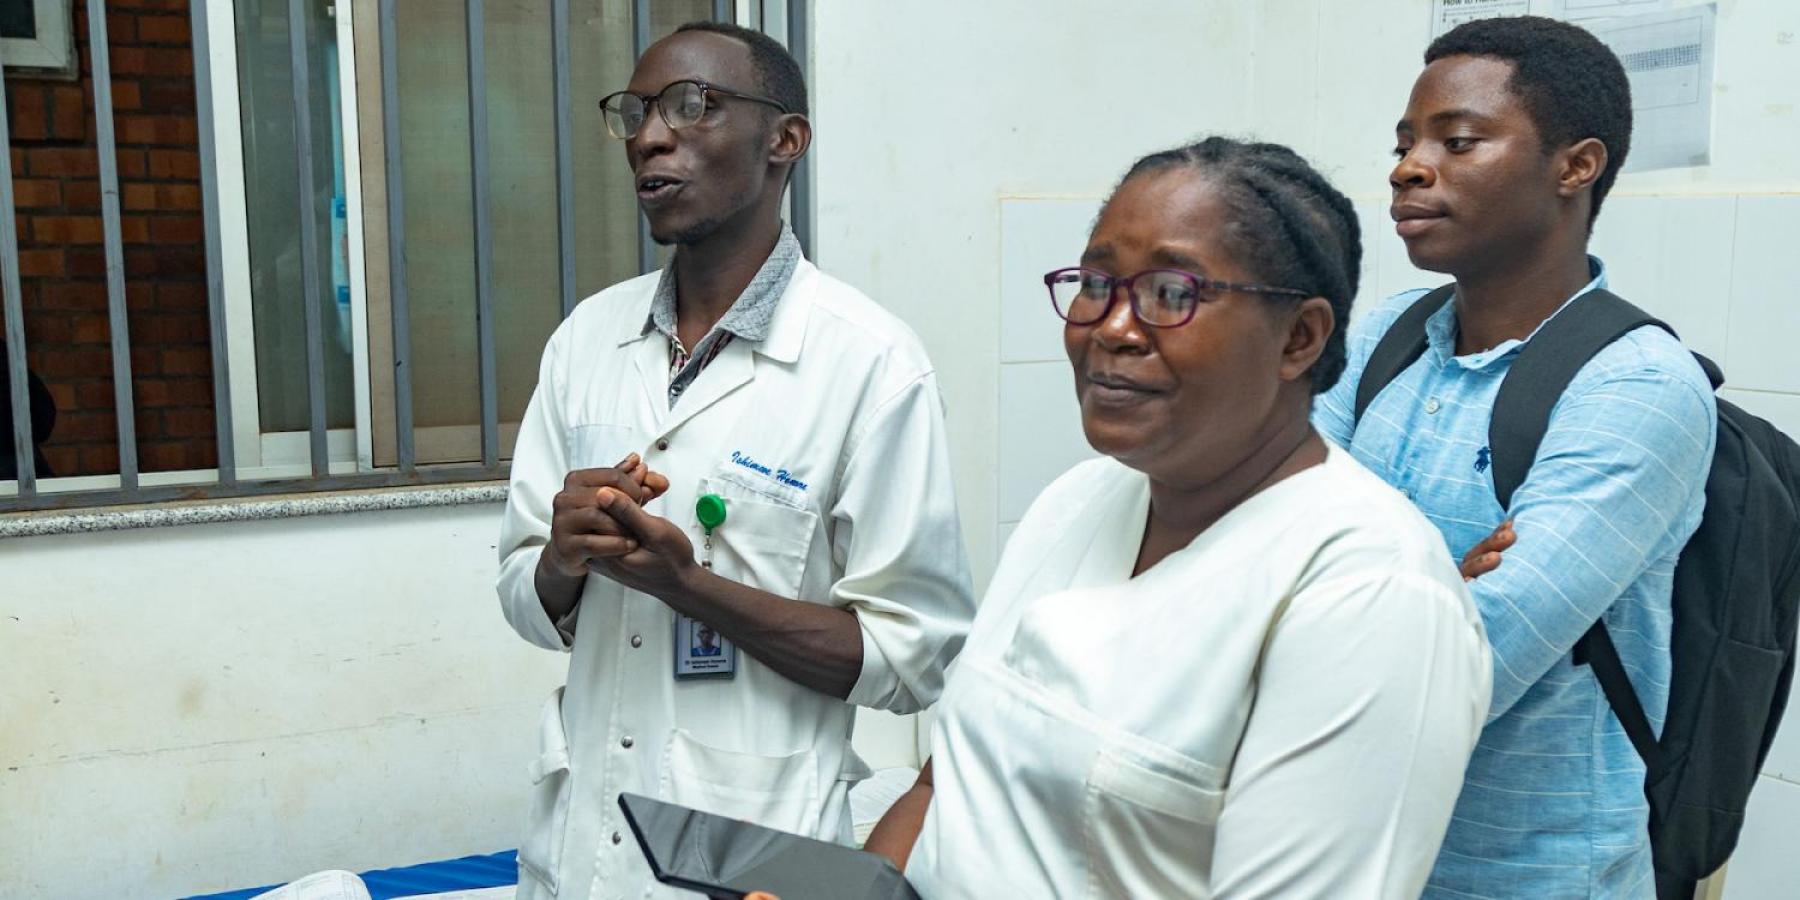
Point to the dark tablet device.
(726, 859)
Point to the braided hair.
(1290, 225)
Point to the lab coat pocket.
(780, 792)
(764, 540)
(1149, 823)
(540, 853)
(601, 446)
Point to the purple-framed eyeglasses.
(1162, 298)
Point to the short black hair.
(1572, 86)
(776, 69)
(1287, 223)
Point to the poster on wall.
(1447, 14)
(1668, 56)
(35, 37)
(1580, 10)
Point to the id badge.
(701, 652)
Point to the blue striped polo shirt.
(1553, 803)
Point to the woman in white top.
(1225, 660)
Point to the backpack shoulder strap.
(1521, 415)
(1596, 649)
(1543, 371)
(1400, 347)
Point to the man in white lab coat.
(738, 441)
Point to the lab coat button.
(626, 742)
(662, 444)
(637, 640)
(618, 838)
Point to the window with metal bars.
(249, 258)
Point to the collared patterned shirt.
(1553, 803)
(747, 319)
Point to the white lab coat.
(1283, 708)
(827, 440)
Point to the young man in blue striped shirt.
(1512, 137)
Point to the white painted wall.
(928, 113)
(203, 708)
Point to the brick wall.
(62, 260)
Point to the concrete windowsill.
(247, 509)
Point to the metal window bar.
(311, 295)
(484, 238)
(801, 181)
(401, 310)
(215, 277)
(640, 41)
(565, 154)
(10, 293)
(124, 408)
(721, 11)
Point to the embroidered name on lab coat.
(780, 475)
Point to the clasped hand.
(598, 524)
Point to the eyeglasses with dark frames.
(682, 103)
(1162, 298)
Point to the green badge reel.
(701, 652)
(710, 510)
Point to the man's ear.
(789, 139)
(1579, 165)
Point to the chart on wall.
(1668, 54)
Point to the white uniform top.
(827, 440)
(1283, 708)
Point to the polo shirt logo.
(1483, 459)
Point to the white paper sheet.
(1447, 14)
(330, 885)
(505, 892)
(1579, 10)
(1669, 58)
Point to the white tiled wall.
(1673, 256)
(1040, 432)
(1765, 284)
(1040, 426)
(1037, 236)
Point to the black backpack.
(1735, 596)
